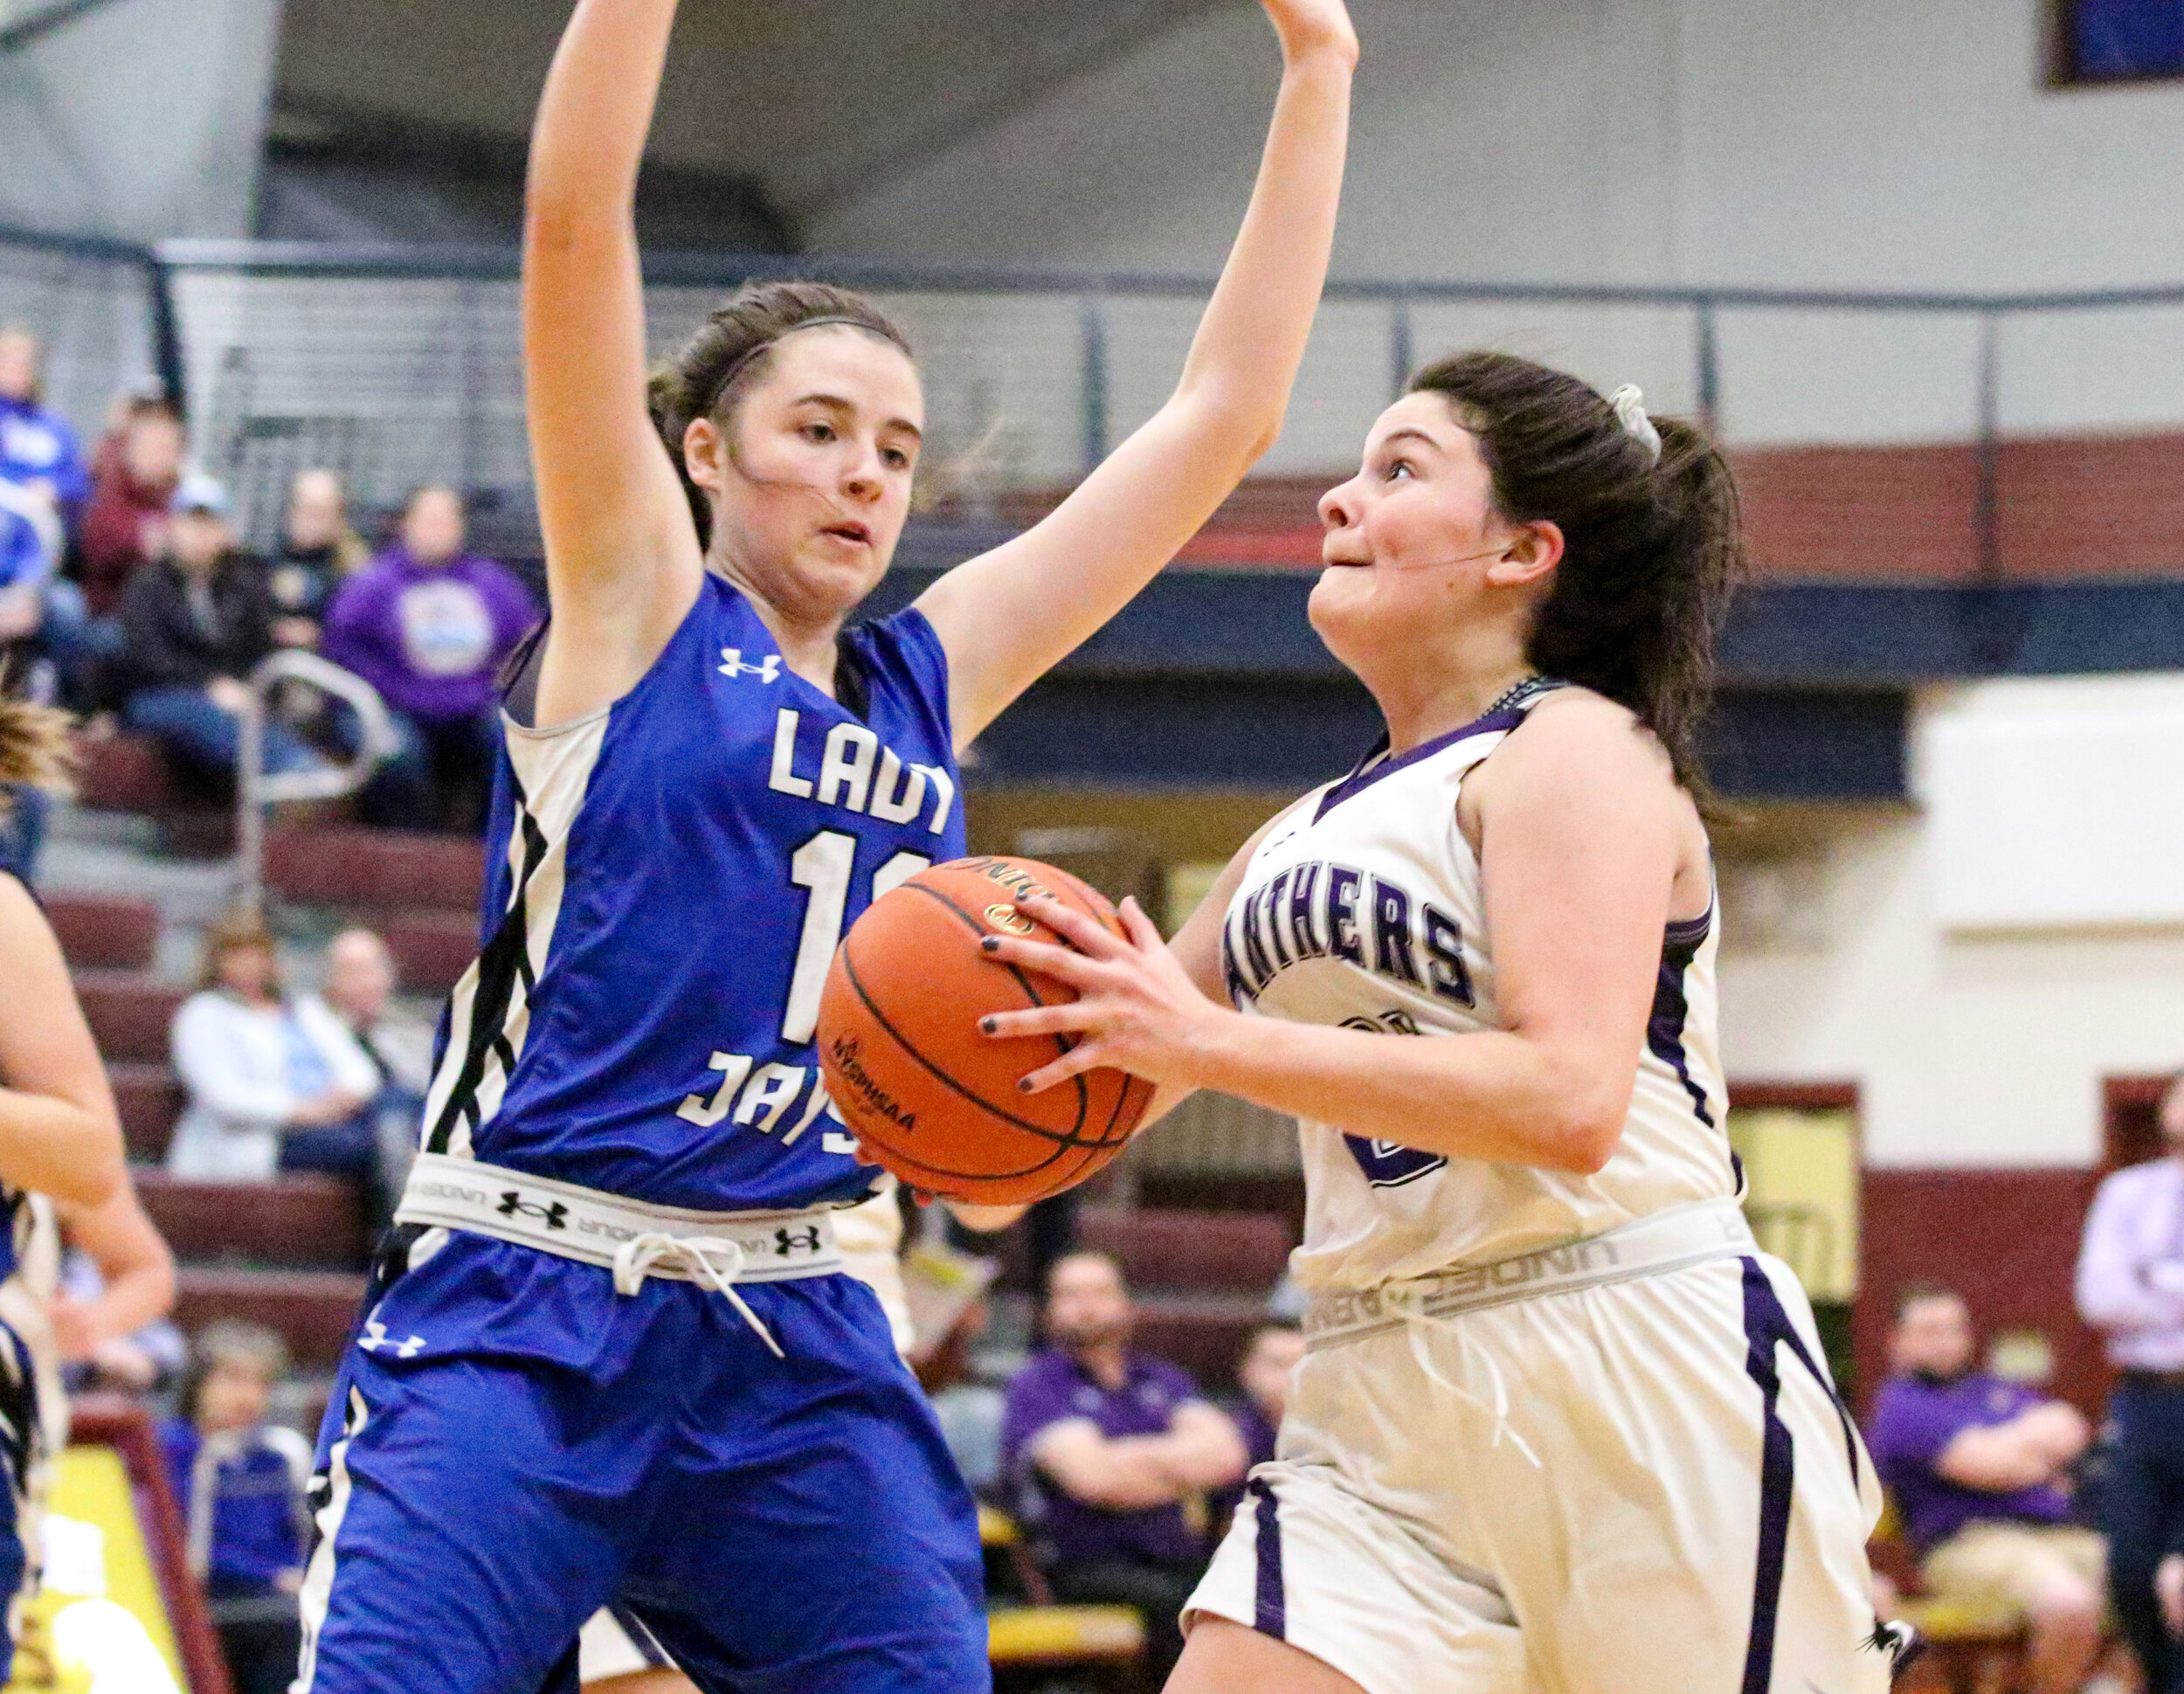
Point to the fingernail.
(991, 945)
(992, 1025)
(1023, 1085)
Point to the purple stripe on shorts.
(1270, 1609)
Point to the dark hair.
(1916, 1293)
(1650, 549)
(725, 357)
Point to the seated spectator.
(125, 523)
(360, 984)
(30, 544)
(194, 626)
(1108, 1450)
(428, 626)
(318, 549)
(239, 1482)
(263, 1071)
(1980, 1471)
(109, 1309)
(1271, 1360)
(39, 450)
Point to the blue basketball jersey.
(668, 880)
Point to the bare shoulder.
(23, 930)
(1584, 759)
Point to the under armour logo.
(376, 1337)
(765, 670)
(554, 1216)
(805, 1240)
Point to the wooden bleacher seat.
(1245, 1251)
(98, 932)
(366, 870)
(432, 950)
(1204, 1333)
(313, 1309)
(129, 1014)
(300, 1220)
(149, 1099)
(1028, 1632)
(122, 773)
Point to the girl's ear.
(1531, 554)
(705, 454)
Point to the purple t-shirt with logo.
(1054, 1388)
(430, 637)
(1914, 1420)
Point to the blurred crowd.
(126, 595)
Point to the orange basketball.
(931, 1098)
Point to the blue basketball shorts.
(512, 1445)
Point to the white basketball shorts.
(1645, 1486)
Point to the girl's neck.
(1422, 709)
(807, 644)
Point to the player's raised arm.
(1008, 616)
(622, 558)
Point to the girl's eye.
(896, 459)
(821, 432)
(1402, 468)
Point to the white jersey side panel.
(1363, 907)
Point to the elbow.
(99, 1169)
(1579, 1143)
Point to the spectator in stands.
(126, 522)
(1980, 1471)
(1271, 1360)
(1109, 1451)
(318, 549)
(30, 544)
(109, 1310)
(39, 450)
(2131, 1286)
(239, 1482)
(428, 626)
(360, 984)
(261, 1069)
(195, 624)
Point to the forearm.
(1496, 1094)
(58, 1147)
(137, 1296)
(1128, 1473)
(1244, 358)
(597, 109)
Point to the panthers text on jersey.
(1362, 907)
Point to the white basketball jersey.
(1362, 908)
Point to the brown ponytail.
(732, 351)
(1651, 549)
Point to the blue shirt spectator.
(239, 1482)
(38, 447)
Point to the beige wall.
(1969, 1048)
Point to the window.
(2118, 40)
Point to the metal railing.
(256, 788)
(399, 365)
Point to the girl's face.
(234, 1395)
(1412, 544)
(433, 527)
(247, 971)
(809, 505)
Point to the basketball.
(931, 1098)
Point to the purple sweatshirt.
(429, 638)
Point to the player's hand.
(1310, 26)
(1135, 1009)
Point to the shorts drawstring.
(636, 1257)
(1414, 1322)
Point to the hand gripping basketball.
(927, 1096)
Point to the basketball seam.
(1060, 1138)
(1062, 1046)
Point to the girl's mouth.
(855, 535)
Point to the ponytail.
(1652, 546)
(34, 748)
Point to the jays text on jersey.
(678, 867)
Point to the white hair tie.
(1630, 403)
